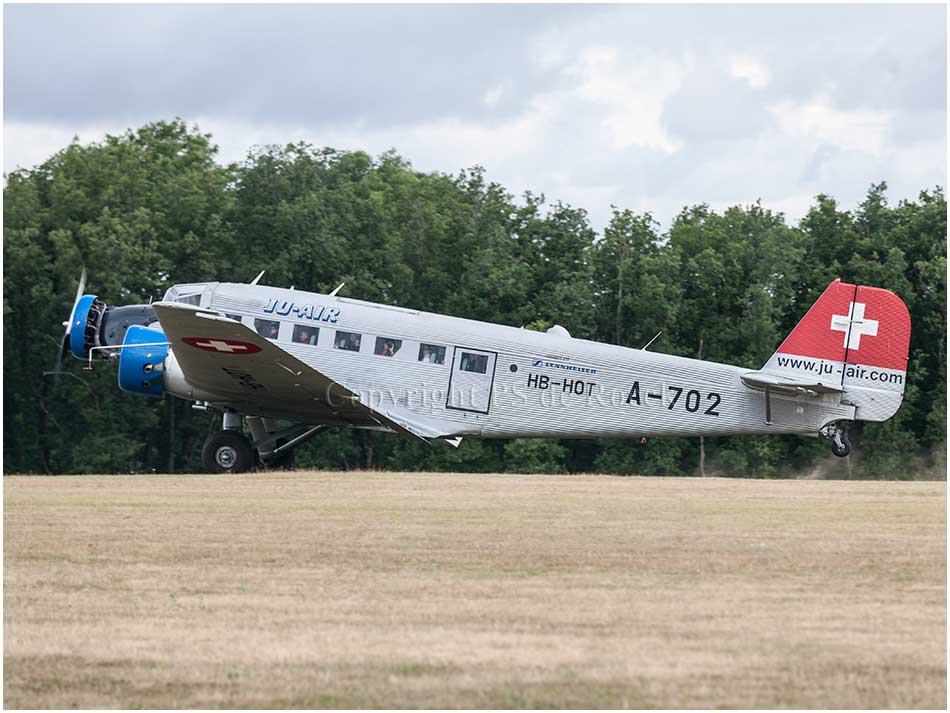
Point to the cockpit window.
(189, 294)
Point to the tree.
(152, 207)
(631, 267)
(135, 209)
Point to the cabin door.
(473, 373)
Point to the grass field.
(441, 590)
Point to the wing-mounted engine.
(142, 360)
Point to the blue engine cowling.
(83, 325)
(141, 368)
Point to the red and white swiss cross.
(221, 346)
(854, 324)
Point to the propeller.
(64, 342)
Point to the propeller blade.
(79, 292)
(64, 342)
(58, 364)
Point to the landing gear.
(840, 443)
(228, 452)
(274, 445)
(837, 433)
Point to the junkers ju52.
(265, 356)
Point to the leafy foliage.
(152, 207)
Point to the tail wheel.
(227, 452)
(840, 444)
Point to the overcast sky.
(644, 107)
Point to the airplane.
(266, 355)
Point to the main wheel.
(227, 452)
(840, 444)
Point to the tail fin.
(856, 337)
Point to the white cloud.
(629, 92)
(643, 107)
(817, 120)
(493, 95)
(755, 72)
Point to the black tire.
(841, 450)
(227, 452)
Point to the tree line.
(152, 207)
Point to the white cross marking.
(221, 346)
(843, 323)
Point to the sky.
(646, 107)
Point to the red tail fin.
(858, 336)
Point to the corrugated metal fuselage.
(497, 381)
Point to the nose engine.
(84, 325)
(94, 326)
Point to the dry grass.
(422, 590)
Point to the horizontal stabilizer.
(785, 384)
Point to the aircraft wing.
(230, 360)
(783, 383)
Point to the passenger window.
(267, 328)
(348, 341)
(431, 354)
(477, 363)
(305, 335)
(235, 317)
(386, 346)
